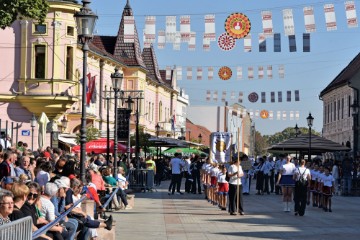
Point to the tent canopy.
(184, 151)
(301, 143)
(100, 146)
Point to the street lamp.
(116, 79)
(310, 121)
(85, 22)
(297, 132)
(129, 101)
(33, 122)
(64, 123)
(355, 113)
(200, 138)
(157, 127)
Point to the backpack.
(302, 182)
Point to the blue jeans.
(347, 185)
(71, 225)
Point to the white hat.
(63, 182)
(94, 167)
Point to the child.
(213, 181)
(223, 187)
(328, 183)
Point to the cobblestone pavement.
(157, 215)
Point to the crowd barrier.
(141, 179)
(16, 230)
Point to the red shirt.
(98, 181)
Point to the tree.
(260, 144)
(92, 133)
(144, 142)
(12, 10)
(286, 134)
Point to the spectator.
(347, 167)
(24, 168)
(5, 143)
(6, 206)
(6, 165)
(43, 176)
(176, 164)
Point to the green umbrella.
(184, 151)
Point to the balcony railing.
(48, 87)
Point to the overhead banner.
(330, 17)
(267, 23)
(210, 73)
(247, 43)
(210, 33)
(129, 29)
(161, 39)
(150, 29)
(351, 14)
(170, 29)
(309, 19)
(289, 28)
(220, 146)
(185, 29)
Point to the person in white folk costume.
(328, 188)
(287, 182)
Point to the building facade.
(42, 72)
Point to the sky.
(310, 72)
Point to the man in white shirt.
(5, 143)
(176, 164)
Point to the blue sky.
(308, 72)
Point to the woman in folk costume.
(260, 177)
(313, 185)
(319, 185)
(235, 174)
(328, 183)
(287, 182)
(223, 187)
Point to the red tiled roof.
(149, 58)
(163, 77)
(344, 76)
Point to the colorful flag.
(267, 22)
(330, 17)
(250, 73)
(261, 72)
(232, 96)
(161, 39)
(170, 29)
(206, 44)
(129, 29)
(239, 74)
(351, 14)
(306, 42)
(271, 115)
(223, 96)
(281, 71)
(210, 73)
(189, 73)
(210, 28)
(199, 73)
(185, 30)
(297, 95)
(241, 96)
(288, 96)
(288, 22)
(257, 114)
(272, 94)
(279, 96)
(220, 146)
(177, 42)
(309, 19)
(269, 72)
(215, 96)
(192, 42)
(247, 43)
(262, 42)
(150, 29)
(178, 73)
(277, 42)
(263, 97)
(292, 43)
(208, 95)
(91, 89)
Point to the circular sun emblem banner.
(226, 42)
(253, 97)
(225, 73)
(264, 114)
(237, 25)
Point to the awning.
(167, 142)
(68, 139)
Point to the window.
(152, 112)
(325, 108)
(130, 84)
(39, 61)
(328, 114)
(349, 104)
(342, 108)
(40, 29)
(69, 63)
(70, 31)
(160, 111)
(338, 104)
(106, 94)
(334, 116)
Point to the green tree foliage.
(11, 10)
(286, 134)
(260, 144)
(92, 133)
(144, 142)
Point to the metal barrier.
(141, 179)
(106, 204)
(19, 229)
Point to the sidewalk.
(159, 216)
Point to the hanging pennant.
(241, 96)
(278, 115)
(215, 96)
(226, 42)
(267, 23)
(262, 42)
(192, 42)
(237, 25)
(206, 44)
(177, 42)
(263, 97)
(261, 72)
(271, 115)
(247, 43)
(210, 28)
(292, 43)
(291, 115)
(277, 42)
(250, 73)
(257, 114)
(161, 39)
(351, 14)
(225, 73)
(330, 17)
(189, 73)
(297, 115)
(272, 94)
(253, 97)
(179, 73)
(129, 29)
(288, 22)
(223, 97)
(170, 29)
(168, 73)
(185, 28)
(208, 95)
(199, 73)
(210, 73)
(232, 96)
(147, 42)
(281, 71)
(251, 113)
(239, 74)
(306, 42)
(309, 19)
(150, 29)
(297, 95)
(288, 97)
(279, 96)
(284, 117)
(269, 72)
(264, 114)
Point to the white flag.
(232, 96)
(284, 117)
(170, 29)
(247, 43)
(271, 115)
(309, 19)
(147, 42)
(220, 146)
(210, 27)
(210, 73)
(269, 72)
(351, 14)
(278, 115)
(129, 29)
(185, 30)
(330, 17)
(199, 73)
(168, 73)
(223, 97)
(251, 113)
(281, 71)
(257, 114)
(297, 115)
(206, 44)
(177, 42)
(189, 73)
(208, 95)
(267, 23)
(288, 22)
(150, 29)
(239, 74)
(291, 115)
(161, 39)
(241, 96)
(178, 73)
(261, 72)
(192, 43)
(215, 96)
(250, 73)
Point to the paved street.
(159, 216)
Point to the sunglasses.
(33, 195)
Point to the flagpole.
(238, 166)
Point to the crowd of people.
(45, 183)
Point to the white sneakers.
(287, 207)
(127, 207)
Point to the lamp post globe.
(64, 123)
(200, 138)
(33, 123)
(310, 121)
(297, 132)
(355, 114)
(157, 129)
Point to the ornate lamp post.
(157, 127)
(33, 123)
(355, 114)
(297, 132)
(200, 138)
(310, 121)
(85, 20)
(116, 79)
(129, 101)
(64, 123)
